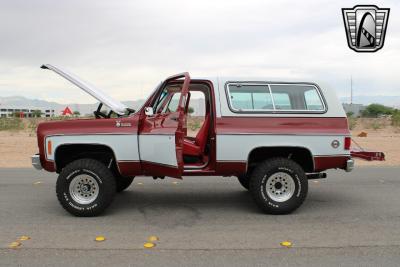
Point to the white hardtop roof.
(92, 90)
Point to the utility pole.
(351, 90)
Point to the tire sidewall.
(258, 183)
(94, 169)
(297, 194)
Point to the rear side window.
(277, 98)
(250, 97)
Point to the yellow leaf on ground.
(149, 245)
(100, 238)
(24, 237)
(286, 244)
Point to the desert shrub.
(59, 118)
(11, 124)
(376, 110)
(376, 125)
(32, 126)
(352, 122)
(396, 119)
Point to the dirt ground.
(16, 148)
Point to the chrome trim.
(279, 134)
(349, 165)
(36, 162)
(189, 168)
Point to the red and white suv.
(272, 135)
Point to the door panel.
(161, 136)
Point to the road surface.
(347, 219)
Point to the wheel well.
(65, 154)
(300, 155)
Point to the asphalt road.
(347, 219)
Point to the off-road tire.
(274, 168)
(244, 180)
(123, 182)
(99, 174)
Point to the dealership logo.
(365, 27)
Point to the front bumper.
(36, 162)
(349, 165)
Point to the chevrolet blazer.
(273, 135)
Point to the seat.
(196, 147)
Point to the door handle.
(174, 118)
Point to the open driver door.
(162, 130)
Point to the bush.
(376, 110)
(396, 119)
(352, 122)
(376, 125)
(11, 124)
(32, 126)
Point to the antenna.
(351, 89)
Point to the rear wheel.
(244, 180)
(278, 186)
(85, 187)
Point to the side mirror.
(148, 111)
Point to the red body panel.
(330, 162)
(282, 125)
(82, 127)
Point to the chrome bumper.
(349, 165)
(36, 162)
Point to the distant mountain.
(21, 102)
(391, 101)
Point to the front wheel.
(85, 187)
(123, 182)
(278, 186)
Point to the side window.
(168, 100)
(296, 97)
(312, 99)
(246, 97)
(173, 103)
(157, 107)
(282, 101)
(196, 112)
(250, 97)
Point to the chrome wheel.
(84, 189)
(280, 187)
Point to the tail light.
(347, 143)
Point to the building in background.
(355, 109)
(8, 112)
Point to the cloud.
(127, 47)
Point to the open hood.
(92, 90)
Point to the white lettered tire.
(278, 186)
(85, 187)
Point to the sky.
(127, 47)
